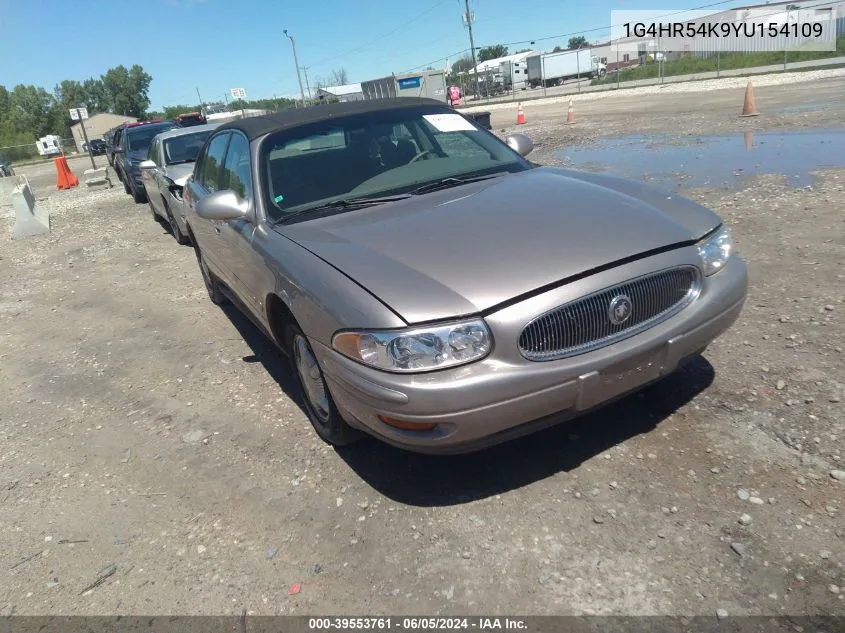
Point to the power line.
(605, 28)
(398, 28)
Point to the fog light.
(407, 426)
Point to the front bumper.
(505, 396)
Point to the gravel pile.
(725, 83)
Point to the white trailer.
(50, 145)
(552, 69)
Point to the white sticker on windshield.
(449, 122)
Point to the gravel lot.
(148, 433)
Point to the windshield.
(140, 139)
(184, 148)
(376, 154)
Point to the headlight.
(715, 251)
(417, 349)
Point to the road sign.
(238, 93)
(75, 113)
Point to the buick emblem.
(619, 309)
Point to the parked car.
(188, 119)
(135, 139)
(435, 289)
(6, 168)
(112, 139)
(97, 147)
(169, 163)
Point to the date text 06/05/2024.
(692, 30)
(415, 624)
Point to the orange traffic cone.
(570, 115)
(65, 177)
(520, 115)
(749, 107)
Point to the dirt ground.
(150, 434)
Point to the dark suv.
(132, 149)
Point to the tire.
(319, 405)
(125, 184)
(181, 238)
(153, 211)
(139, 196)
(211, 284)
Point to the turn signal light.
(407, 426)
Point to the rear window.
(138, 139)
(184, 148)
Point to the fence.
(28, 151)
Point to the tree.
(95, 93)
(462, 65)
(339, 77)
(577, 41)
(557, 49)
(492, 52)
(523, 50)
(128, 90)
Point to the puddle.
(714, 161)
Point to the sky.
(217, 45)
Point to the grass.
(731, 61)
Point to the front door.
(237, 235)
(207, 180)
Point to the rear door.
(206, 180)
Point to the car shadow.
(265, 352)
(434, 480)
(428, 480)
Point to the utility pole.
(307, 85)
(79, 117)
(468, 18)
(202, 105)
(296, 63)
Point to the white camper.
(50, 145)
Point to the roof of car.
(185, 131)
(257, 126)
(147, 126)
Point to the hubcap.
(311, 378)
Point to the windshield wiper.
(453, 181)
(182, 162)
(345, 203)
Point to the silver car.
(438, 291)
(169, 164)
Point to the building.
(427, 83)
(349, 92)
(96, 126)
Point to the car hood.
(464, 250)
(179, 174)
(137, 156)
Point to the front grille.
(586, 324)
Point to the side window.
(458, 143)
(212, 162)
(236, 170)
(151, 151)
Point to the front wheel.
(319, 405)
(181, 238)
(211, 284)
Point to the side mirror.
(520, 143)
(147, 164)
(222, 205)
